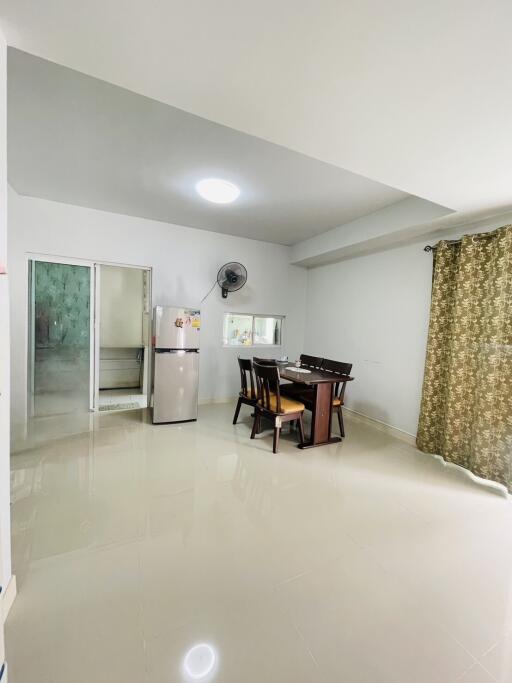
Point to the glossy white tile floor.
(361, 562)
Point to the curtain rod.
(485, 235)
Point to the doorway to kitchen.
(123, 309)
(89, 338)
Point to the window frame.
(282, 318)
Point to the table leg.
(321, 417)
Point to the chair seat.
(288, 405)
(252, 396)
(337, 402)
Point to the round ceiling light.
(199, 662)
(217, 190)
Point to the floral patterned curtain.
(466, 407)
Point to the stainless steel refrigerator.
(175, 364)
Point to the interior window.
(237, 330)
(252, 330)
(267, 330)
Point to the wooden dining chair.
(311, 362)
(265, 361)
(248, 393)
(342, 369)
(272, 405)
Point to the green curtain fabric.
(466, 406)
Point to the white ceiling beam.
(402, 220)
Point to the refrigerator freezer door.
(175, 386)
(177, 328)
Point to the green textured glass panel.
(61, 338)
(62, 302)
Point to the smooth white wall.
(372, 311)
(5, 497)
(185, 262)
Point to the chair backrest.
(337, 368)
(265, 361)
(267, 380)
(246, 370)
(311, 361)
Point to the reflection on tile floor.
(365, 561)
(61, 380)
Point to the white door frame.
(94, 320)
(146, 327)
(147, 331)
(31, 338)
(95, 372)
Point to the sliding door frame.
(146, 327)
(95, 372)
(31, 337)
(94, 322)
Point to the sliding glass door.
(60, 338)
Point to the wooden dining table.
(322, 383)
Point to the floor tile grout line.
(486, 653)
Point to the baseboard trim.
(382, 426)
(8, 597)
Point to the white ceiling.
(76, 139)
(415, 95)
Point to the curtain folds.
(466, 406)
